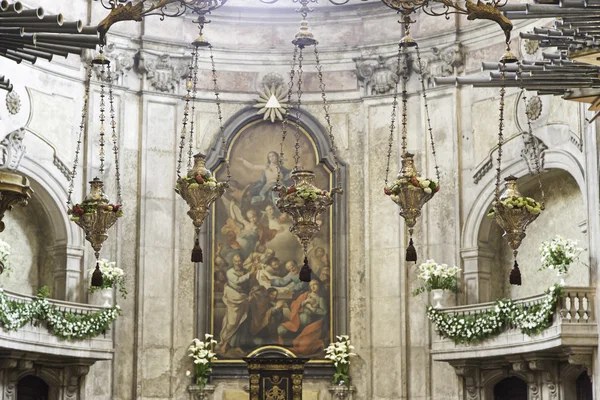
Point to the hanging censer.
(96, 214)
(303, 202)
(198, 187)
(409, 191)
(510, 209)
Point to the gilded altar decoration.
(410, 191)
(198, 187)
(14, 189)
(96, 214)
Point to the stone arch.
(496, 376)
(52, 377)
(320, 137)
(67, 245)
(477, 257)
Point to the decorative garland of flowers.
(532, 206)
(66, 325)
(196, 181)
(301, 194)
(91, 208)
(531, 319)
(428, 185)
(112, 276)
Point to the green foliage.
(531, 319)
(65, 325)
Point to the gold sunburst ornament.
(272, 103)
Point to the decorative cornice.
(163, 72)
(442, 62)
(380, 75)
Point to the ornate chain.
(193, 116)
(536, 150)
(219, 113)
(286, 116)
(429, 129)
(82, 126)
(186, 110)
(401, 50)
(115, 139)
(102, 116)
(404, 112)
(333, 147)
(500, 130)
(298, 114)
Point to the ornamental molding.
(163, 72)
(533, 152)
(471, 380)
(13, 103)
(379, 75)
(204, 393)
(584, 360)
(12, 150)
(446, 61)
(121, 62)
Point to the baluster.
(585, 306)
(577, 307)
(567, 307)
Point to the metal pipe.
(67, 27)
(48, 19)
(35, 53)
(70, 39)
(5, 7)
(20, 13)
(26, 57)
(56, 48)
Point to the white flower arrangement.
(437, 276)
(65, 325)
(340, 352)
(531, 319)
(112, 276)
(203, 357)
(559, 254)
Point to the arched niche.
(512, 388)
(481, 243)
(32, 388)
(44, 238)
(315, 140)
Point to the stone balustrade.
(35, 338)
(573, 330)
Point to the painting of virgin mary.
(261, 191)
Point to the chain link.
(193, 112)
(186, 110)
(333, 147)
(102, 116)
(429, 129)
(219, 113)
(533, 139)
(404, 113)
(115, 139)
(286, 115)
(500, 130)
(401, 50)
(82, 126)
(298, 114)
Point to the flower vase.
(201, 393)
(102, 297)
(437, 295)
(342, 392)
(563, 277)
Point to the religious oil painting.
(258, 298)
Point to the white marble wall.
(152, 241)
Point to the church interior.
(299, 199)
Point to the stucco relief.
(164, 72)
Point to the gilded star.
(271, 103)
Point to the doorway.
(511, 388)
(584, 387)
(32, 388)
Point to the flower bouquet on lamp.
(558, 255)
(203, 357)
(437, 278)
(112, 277)
(340, 352)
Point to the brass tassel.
(97, 280)
(515, 275)
(305, 272)
(411, 252)
(197, 252)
